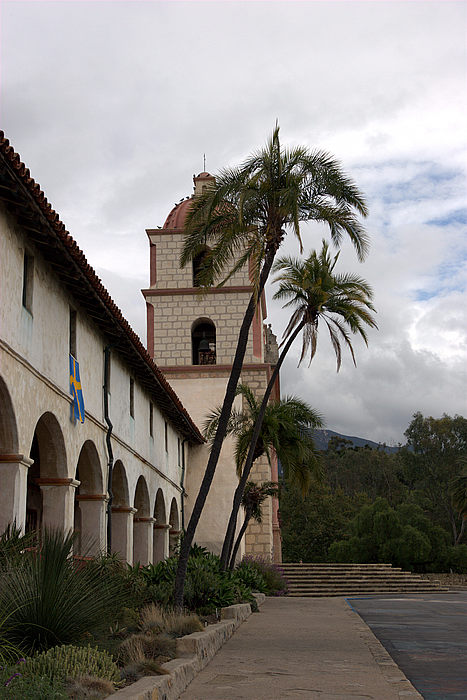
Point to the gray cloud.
(112, 106)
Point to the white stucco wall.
(34, 367)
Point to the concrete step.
(352, 579)
(350, 592)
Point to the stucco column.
(142, 540)
(173, 540)
(161, 542)
(122, 532)
(13, 489)
(58, 503)
(93, 523)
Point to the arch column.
(93, 522)
(13, 491)
(161, 542)
(58, 502)
(122, 531)
(173, 540)
(143, 540)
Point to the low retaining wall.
(194, 651)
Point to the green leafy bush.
(207, 587)
(68, 661)
(274, 580)
(249, 575)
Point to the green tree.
(310, 525)
(253, 498)
(458, 493)
(431, 461)
(243, 219)
(315, 293)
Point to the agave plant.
(47, 600)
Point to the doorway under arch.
(122, 514)
(90, 500)
(143, 524)
(161, 529)
(50, 492)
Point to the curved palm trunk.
(229, 536)
(221, 430)
(238, 540)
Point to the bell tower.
(193, 338)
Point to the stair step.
(321, 579)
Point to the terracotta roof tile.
(172, 404)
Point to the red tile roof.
(25, 198)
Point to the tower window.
(198, 262)
(28, 280)
(72, 343)
(151, 419)
(203, 343)
(132, 398)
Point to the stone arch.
(13, 466)
(198, 261)
(143, 524)
(90, 502)
(174, 532)
(50, 492)
(120, 491)
(161, 529)
(203, 342)
(122, 514)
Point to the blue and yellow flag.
(75, 390)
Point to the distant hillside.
(322, 437)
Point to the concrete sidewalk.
(313, 648)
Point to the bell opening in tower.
(203, 342)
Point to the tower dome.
(177, 216)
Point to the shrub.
(207, 587)
(68, 661)
(158, 621)
(273, 577)
(143, 646)
(15, 686)
(249, 575)
(88, 687)
(48, 600)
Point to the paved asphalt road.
(426, 635)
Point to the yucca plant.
(48, 600)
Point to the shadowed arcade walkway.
(318, 649)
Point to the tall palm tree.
(315, 292)
(243, 219)
(253, 498)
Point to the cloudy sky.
(112, 105)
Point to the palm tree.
(315, 293)
(253, 498)
(285, 429)
(243, 219)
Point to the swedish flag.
(75, 390)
